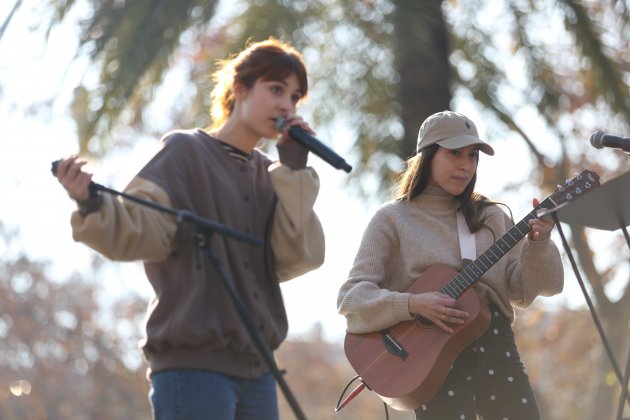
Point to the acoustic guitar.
(407, 363)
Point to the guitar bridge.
(393, 346)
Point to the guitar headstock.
(575, 187)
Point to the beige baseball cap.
(451, 130)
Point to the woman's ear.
(239, 90)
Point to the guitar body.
(406, 380)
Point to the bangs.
(282, 67)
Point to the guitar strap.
(467, 245)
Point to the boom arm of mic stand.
(180, 215)
(184, 216)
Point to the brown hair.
(270, 60)
(415, 178)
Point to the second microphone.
(315, 146)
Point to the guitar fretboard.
(473, 271)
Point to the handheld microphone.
(599, 139)
(312, 144)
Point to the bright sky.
(34, 202)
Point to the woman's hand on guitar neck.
(540, 229)
(438, 308)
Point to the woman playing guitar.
(406, 238)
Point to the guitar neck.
(473, 271)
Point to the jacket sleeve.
(297, 237)
(126, 231)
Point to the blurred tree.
(552, 68)
(133, 42)
(6, 22)
(57, 360)
(402, 61)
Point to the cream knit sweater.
(405, 237)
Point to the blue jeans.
(187, 394)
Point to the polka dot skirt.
(487, 379)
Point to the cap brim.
(458, 142)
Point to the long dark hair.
(415, 178)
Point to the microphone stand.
(204, 230)
(607, 208)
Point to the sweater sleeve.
(536, 271)
(297, 236)
(367, 305)
(126, 231)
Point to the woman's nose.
(286, 104)
(466, 163)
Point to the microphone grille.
(597, 139)
(280, 123)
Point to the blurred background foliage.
(542, 74)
